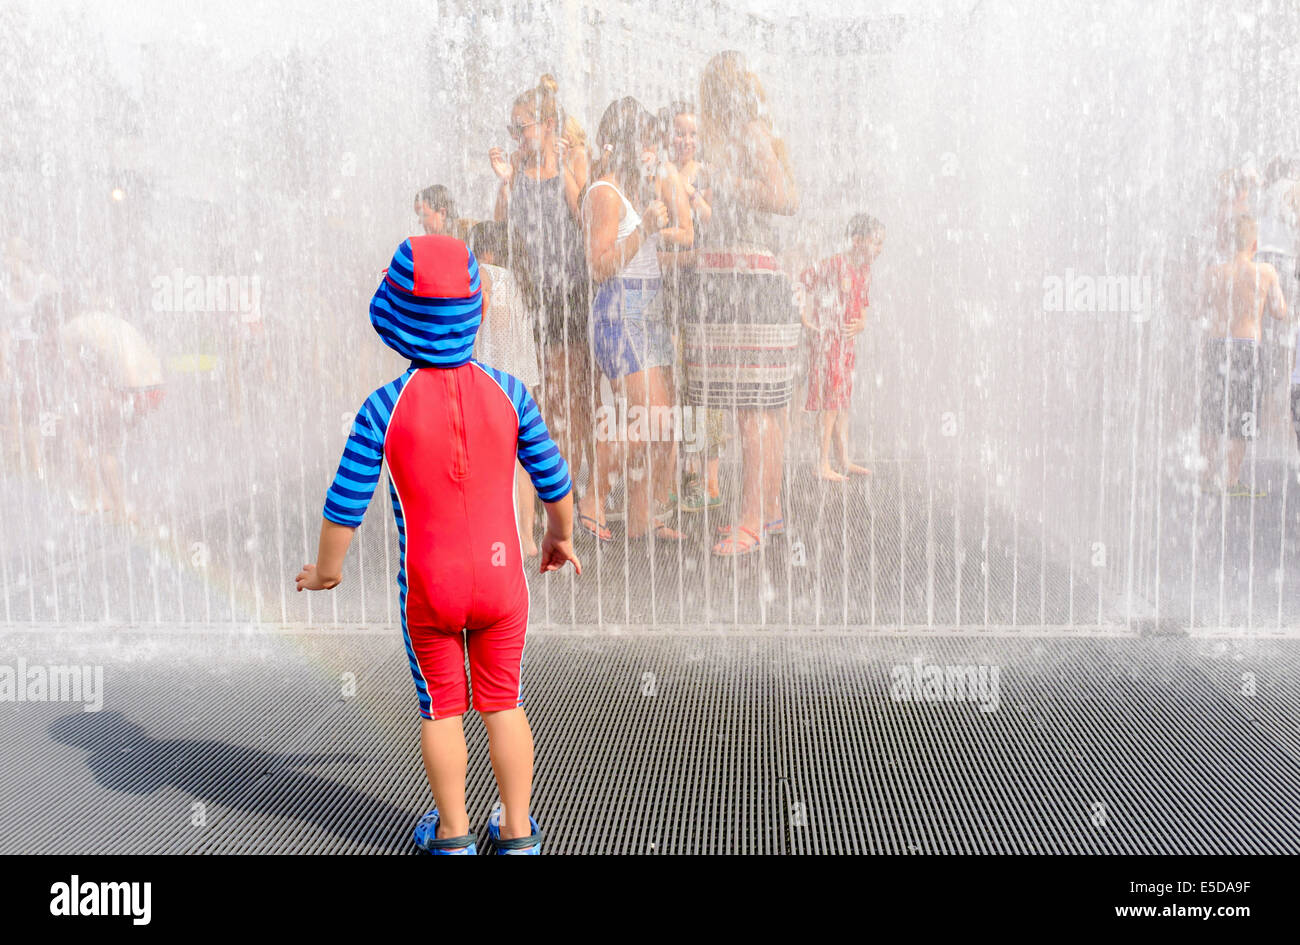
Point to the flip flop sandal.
(658, 530)
(665, 532)
(737, 544)
(595, 531)
(774, 527)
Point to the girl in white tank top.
(645, 264)
(631, 341)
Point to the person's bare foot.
(588, 507)
(662, 531)
(598, 529)
(829, 474)
(853, 469)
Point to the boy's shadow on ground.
(124, 757)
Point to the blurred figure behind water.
(741, 336)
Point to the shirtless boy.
(1235, 297)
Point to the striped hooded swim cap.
(429, 305)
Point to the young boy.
(837, 289)
(436, 210)
(450, 430)
(1234, 297)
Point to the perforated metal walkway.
(671, 742)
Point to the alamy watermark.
(181, 292)
(1078, 292)
(618, 422)
(23, 683)
(931, 682)
(80, 898)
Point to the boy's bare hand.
(556, 551)
(856, 326)
(309, 579)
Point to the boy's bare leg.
(824, 470)
(442, 745)
(510, 743)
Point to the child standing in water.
(450, 430)
(838, 289)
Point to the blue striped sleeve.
(363, 458)
(538, 452)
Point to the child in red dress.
(837, 289)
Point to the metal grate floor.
(670, 742)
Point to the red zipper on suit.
(456, 416)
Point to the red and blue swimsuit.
(450, 434)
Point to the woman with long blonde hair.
(741, 337)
